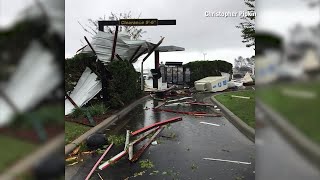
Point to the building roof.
(173, 63)
(169, 48)
(210, 79)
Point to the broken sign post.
(139, 140)
(125, 151)
(140, 151)
(158, 127)
(112, 160)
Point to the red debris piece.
(172, 120)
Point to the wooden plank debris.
(242, 97)
(222, 160)
(210, 124)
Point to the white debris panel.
(87, 87)
(34, 79)
(102, 43)
(54, 11)
(247, 78)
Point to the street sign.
(138, 22)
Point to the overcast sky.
(281, 16)
(216, 36)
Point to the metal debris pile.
(152, 130)
(188, 101)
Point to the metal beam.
(72, 101)
(138, 154)
(140, 54)
(161, 123)
(135, 53)
(153, 49)
(103, 75)
(117, 55)
(94, 52)
(11, 103)
(98, 162)
(156, 66)
(114, 43)
(145, 58)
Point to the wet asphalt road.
(276, 158)
(181, 149)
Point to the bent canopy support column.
(156, 66)
(103, 75)
(145, 58)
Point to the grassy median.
(12, 150)
(74, 130)
(298, 103)
(243, 108)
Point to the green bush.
(124, 85)
(48, 114)
(74, 67)
(202, 69)
(93, 110)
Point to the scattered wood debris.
(210, 124)
(242, 97)
(223, 160)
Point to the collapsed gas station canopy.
(102, 43)
(126, 48)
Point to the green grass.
(74, 130)
(48, 114)
(303, 113)
(243, 108)
(117, 139)
(146, 164)
(12, 150)
(94, 110)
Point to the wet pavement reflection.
(181, 148)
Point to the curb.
(235, 120)
(308, 148)
(104, 124)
